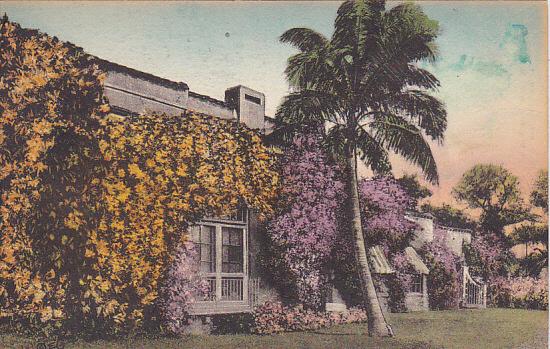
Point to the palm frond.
(372, 153)
(304, 39)
(335, 141)
(424, 110)
(356, 23)
(405, 139)
(415, 76)
(308, 70)
(306, 109)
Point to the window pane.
(205, 254)
(225, 254)
(207, 248)
(208, 234)
(232, 250)
(416, 285)
(194, 233)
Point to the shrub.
(232, 323)
(181, 288)
(384, 204)
(518, 292)
(488, 256)
(273, 317)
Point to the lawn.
(491, 328)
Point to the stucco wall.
(426, 232)
(210, 108)
(139, 95)
(456, 239)
(418, 301)
(137, 92)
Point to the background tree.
(495, 191)
(539, 195)
(414, 188)
(535, 234)
(365, 87)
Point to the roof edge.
(108, 65)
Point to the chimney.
(249, 104)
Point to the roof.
(458, 230)
(415, 260)
(378, 261)
(108, 65)
(208, 99)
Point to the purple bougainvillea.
(444, 280)
(384, 203)
(304, 232)
(183, 286)
(488, 255)
(383, 206)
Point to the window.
(232, 250)
(222, 252)
(417, 285)
(253, 99)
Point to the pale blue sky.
(492, 62)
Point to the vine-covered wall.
(93, 210)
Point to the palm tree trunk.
(376, 322)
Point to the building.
(416, 297)
(132, 92)
(474, 291)
(227, 246)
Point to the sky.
(492, 63)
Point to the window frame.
(218, 274)
(417, 284)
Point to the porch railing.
(233, 290)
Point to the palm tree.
(365, 90)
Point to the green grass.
(490, 328)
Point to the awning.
(415, 260)
(378, 262)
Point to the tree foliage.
(539, 195)
(414, 188)
(94, 211)
(364, 82)
(384, 205)
(495, 191)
